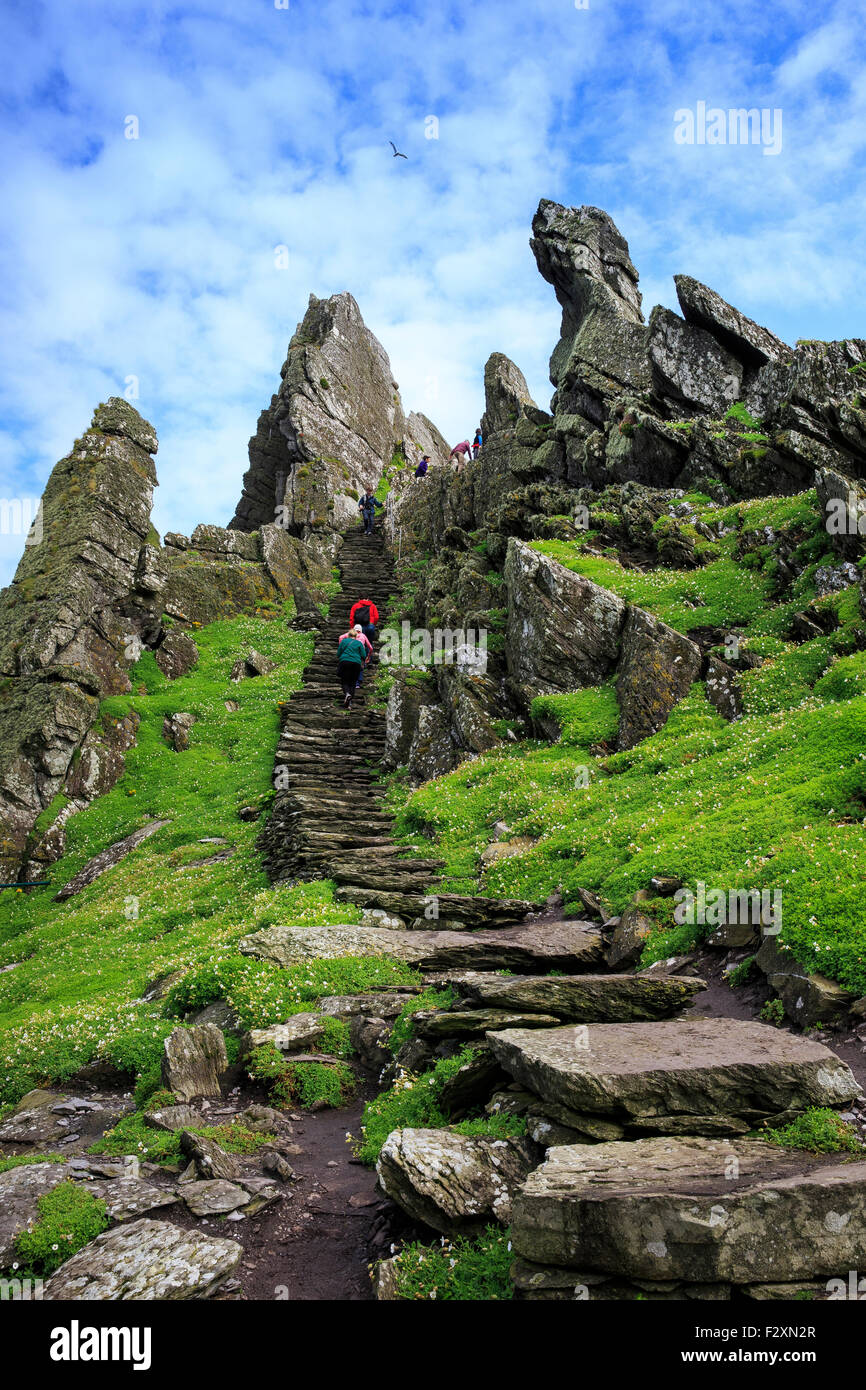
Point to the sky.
(151, 264)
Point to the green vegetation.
(300, 1083)
(459, 1268)
(773, 801)
(132, 1135)
(427, 999)
(82, 966)
(69, 1218)
(21, 1159)
(819, 1131)
(411, 1103)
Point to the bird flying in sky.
(397, 153)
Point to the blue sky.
(261, 127)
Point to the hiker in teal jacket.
(351, 659)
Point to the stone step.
(582, 999)
(567, 946)
(671, 1077)
(473, 911)
(706, 1211)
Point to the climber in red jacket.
(366, 613)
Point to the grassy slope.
(83, 964)
(775, 800)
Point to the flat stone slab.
(101, 863)
(146, 1260)
(681, 1067)
(125, 1196)
(568, 946)
(436, 1024)
(705, 1210)
(213, 1197)
(582, 998)
(473, 911)
(292, 1036)
(450, 1181)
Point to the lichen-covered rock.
(176, 730)
(295, 1035)
(602, 347)
(689, 368)
(686, 1068)
(422, 437)
(810, 999)
(657, 667)
(331, 428)
(582, 998)
(552, 946)
(563, 630)
(193, 1061)
(146, 1260)
(704, 1210)
(76, 614)
(746, 340)
(126, 1195)
(506, 395)
(451, 1182)
(723, 688)
(176, 655)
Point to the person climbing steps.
(351, 660)
(366, 613)
(367, 506)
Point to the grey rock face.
(125, 1196)
(451, 1182)
(107, 859)
(689, 367)
(680, 1068)
(76, 615)
(176, 655)
(810, 999)
(557, 946)
(193, 1061)
(667, 1209)
(506, 395)
(746, 340)
(331, 428)
(602, 348)
(295, 1035)
(563, 630)
(422, 437)
(146, 1260)
(583, 998)
(657, 667)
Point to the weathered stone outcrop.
(567, 946)
(701, 1210)
(193, 1061)
(146, 1260)
(583, 998)
(506, 395)
(657, 666)
(330, 429)
(746, 340)
(665, 1077)
(450, 1182)
(82, 604)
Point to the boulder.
(451, 1182)
(295, 1035)
(702, 1210)
(568, 946)
(147, 1260)
(176, 655)
(723, 688)
(463, 909)
(657, 667)
(563, 630)
(210, 1159)
(176, 730)
(809, 999)
(253, 664)
(193, 1061)
(676, 1071)
(432, 1025)
(214, 1197)
(630, 935)
(582, 998)
(125, 1194)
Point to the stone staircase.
(328, 819)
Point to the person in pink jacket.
(461, 452)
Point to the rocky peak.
(331, 428)
(506, 394)
(582, 253)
